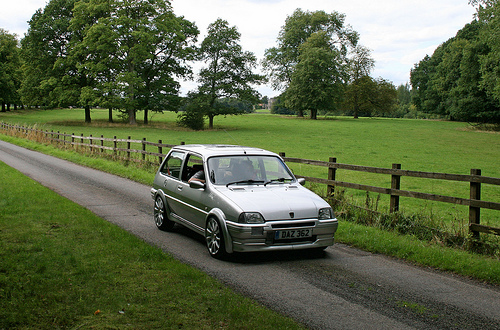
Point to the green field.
(421, 145)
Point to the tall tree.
(228, 73)
(10, 69)
(319, 76)
(172, 41)
(280, 61)
(89, 46)
(45, 44)
(360, 66)
(488, 15)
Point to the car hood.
(276, 202)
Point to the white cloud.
(399, 32)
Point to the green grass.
(63, 267)
(420, 252)
(421, 145)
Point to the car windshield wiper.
(245, 181)
(280, 180)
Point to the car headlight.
(251, 217)
(325, 213)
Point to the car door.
(194, 201)
(169, 179)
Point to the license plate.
(293, 233)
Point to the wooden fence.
(475, 179)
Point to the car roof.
(209, 150)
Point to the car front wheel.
(160, 215)
(215, 239)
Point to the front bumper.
(261, 237)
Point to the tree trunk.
(314, 114)
(356, 106)
(87, 114)
(131, 117)
(210, 121)
(146, 116)
(110, 115)
(3, 107)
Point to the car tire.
(160, 215)
(214, 238)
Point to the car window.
(193, 165)
(226, 169)
(172, 165)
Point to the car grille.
(272, 241)
(292, 225)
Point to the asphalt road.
(342, 288)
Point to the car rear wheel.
(160, 215)
(215, 239)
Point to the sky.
(399, 33)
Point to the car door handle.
(179, 187)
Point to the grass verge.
(63, 267)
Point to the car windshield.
(247, 169)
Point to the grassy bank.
(63, 267)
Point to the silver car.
(240, 199)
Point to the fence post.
(72, 139)
(102, 143)
(128, 147)
(160, 151)
(330, 189)
(474, 212)
(143, 148)
(115, 145)
(395, 184)
(90, 143)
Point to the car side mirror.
(302, 181)
(196, 184)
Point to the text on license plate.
(291, 234)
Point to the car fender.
(160, 193)
(217, 213)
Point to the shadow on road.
(255, 257)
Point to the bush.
(191, 118)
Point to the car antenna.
(231, 137)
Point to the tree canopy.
(123, 54)
(311, 43)
(130, 56)
(454, 82)
(280, 61)
(318, 79)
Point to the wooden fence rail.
(475, 179)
